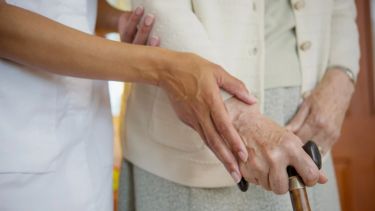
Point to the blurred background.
(354, 154)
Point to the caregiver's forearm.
(36, 41)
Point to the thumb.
(295, 124)
(235, 87)
(322, 177)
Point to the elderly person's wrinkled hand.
(271, 149)
(322, 112)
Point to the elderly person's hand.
(322, 112)
(271, 149)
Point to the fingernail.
(154, 40)
(139, 10)
(252, 98)
(236, 177)
(149, 19)
(243, 156)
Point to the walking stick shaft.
(297, 189)
(298, 195)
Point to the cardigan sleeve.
(180, 30)
(344, 49)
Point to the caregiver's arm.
(36, 41)
(193, 83)
(321, 115)
(180, 29)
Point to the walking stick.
(297, 189)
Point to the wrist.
(152, 64)
(346, 71)
(171, 63)
(240, 112)
(340, 77)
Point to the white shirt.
(55, 131)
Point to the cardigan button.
(254, 7)
(253, 51)
(299, 5)
(305, 46)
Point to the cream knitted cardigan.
(230, 33)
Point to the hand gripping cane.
(297, 189)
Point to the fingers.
(278, 179)
(256, 170)
(235, 87)
(296, 123)
(128, 25)
(220, 149)
(322, 177)
(154, 41)
(144, 30)
(306, 131)
(225, 128)
(305, 167)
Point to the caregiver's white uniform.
(55, 131)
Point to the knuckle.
(280, 188)
(222, 127)
(292, 145)
(274, 158)
(145, 29)
(320, 122)
(134, 18)
(218, 67)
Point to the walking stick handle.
(295, 182)
(297, 189)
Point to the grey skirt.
(143, 191)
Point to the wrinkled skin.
(321, 114)
(271, 149)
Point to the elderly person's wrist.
(240, 112)
(344, 71)
(341, 78)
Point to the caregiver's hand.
(193, 86)
(271, 149)
(135, 27)
(322, 112)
